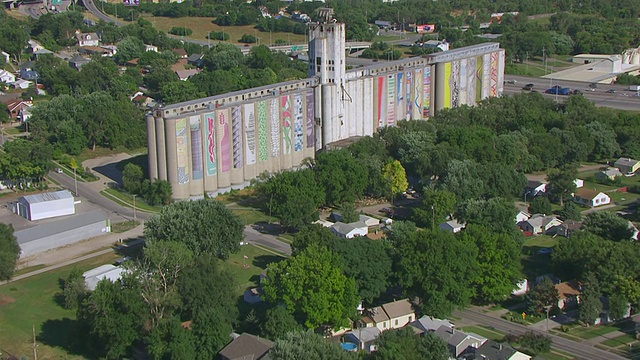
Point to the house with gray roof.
(608, 174)
(627, 166)
(429, 324)
(351, 230)
(78, 61)
(459, 342)
(539, 224)
(363, 337)
(246, 347)
(46, 205)
(492, 350)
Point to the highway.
(622, 99)
(579, 350)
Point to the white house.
(591, 198)
(46, 205)
(453, 225)
(539, 224)
(7, 77)
(370, 221)
(108, 272)
(22, 84)
(88, 39)
(150, 48)
(522, 216)
(393, 315)
(324, 223)
(535, 188)
(522, 287)
(350, 230)
(579, 183)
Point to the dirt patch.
(6, 300)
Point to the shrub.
(180, 30)
(219, 35)
(248, 39)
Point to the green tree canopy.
(343, 178)
(404, 344)
(278, 322)
(541, 205)
(307, 345)
(543, 294)
(393, 172)
(9, 251)
(205, 226)
(608, 225)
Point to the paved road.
(579, 350)
(269, 241)
(622, 99)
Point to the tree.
(343, 178)
(463, 178)
(499, 268)
(278, 323)
(439, 203)
(561, 182)
(590, 305)
(313, 288)
(9, 251)
(608, 225)
(446, 283)
(606, 145)
(496, 213)
(396, 177)
(132, 178)
(130, 48)
(307, 345)
(170, 340)
(248, 39)
(404, 344)
(570, 211)
(178, 91)
(540, 205)
(294, 196)
(349, 212)
(74, 289)
(628, 287)
(205, 226)
(534, 343)
(543, 294)
(618, 306)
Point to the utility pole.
(544, 56)
(548, 307)
(35, 351)
(134, 207)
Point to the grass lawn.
(247, 271)
(591, 332)
(384, 37)
(252, 216)
(125, 199)
(32, 302)
(483, 331)
(201, 26)
(535, 264)
(540, 241)
(620, 340)
(124, 226)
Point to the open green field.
(32, 302)
(247, 271)
(126, 199)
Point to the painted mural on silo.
(391, 100)
(426, 94)
(447, 85)
(455, 83)
(196, 147)
(298, 123)
(286, 124)
(409, 95)
(250, 133)
(274, 119)
(479, 77)
(225, 140)
(236, 135)
(263, 124)
(382, 102)
(182, 151)
(400, 105)
(471, 81)
(494, 74)
(311, 139)
(462, 94)
(486, 76)
(417, 101)
(212, 158)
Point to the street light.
(75, 180)
(547, 308)
(134, 207)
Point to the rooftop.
(246, 347)
(50, 196)
(587, 193)
(398, 308)
(60, 226)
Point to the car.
(528, 87)
(611, 91)
(511, 81)
(637, 94)
(545, 251)
(59, 171)
(122, 260)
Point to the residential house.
(87, 39)
(522, 216)
(182, 53)
(22, 84)
(492, 350)
(184, 75)
(324, 223)
(605, 317)
(393, 315)
(5, 56)
(566, 228)
(535, 188)
(97, 50)
(608, 174)
(627, 166)
(452, 225)
(6, 77)
(78, 61)
(579, 183)
(569, 294)
(522, 287)
(364, 337)
(350, 230)
(150, 48)
(371, 222)
(195, 60)
(246, 347)
(428, 324)
(435, 44)
(25, 115)
(592, 198)
(34, 45)
(17, 105)
(40, 52)
(28, 72)
(458, 342)
(539, 224)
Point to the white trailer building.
(44, 206)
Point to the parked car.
(528, 87)
(611, 91)
(511, 81)
(59, 171)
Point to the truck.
(558, 90)
(635, 88)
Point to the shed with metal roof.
(46, 205)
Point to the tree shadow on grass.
(263, 260)
(64, 334)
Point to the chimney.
(500, 346)
(453, 329)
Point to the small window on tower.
(318, 61)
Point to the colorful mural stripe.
(182, 152)
(391, 101)
(417, 108)
(274, 119)
(447, 85)
(225, 140)
(196, 147)
(250, 132)
(212, 163)
(479, 77)
(298, 123)
(426, 93)
(236, 134)
(455, 83)
(263, 140)
(462, 94)
(494, 74)
(471, 81)
(311, 139)
(381, 101)
(410, 95)
(400, 96)
(286, 123)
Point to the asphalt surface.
(622, 99)
(579, 350)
